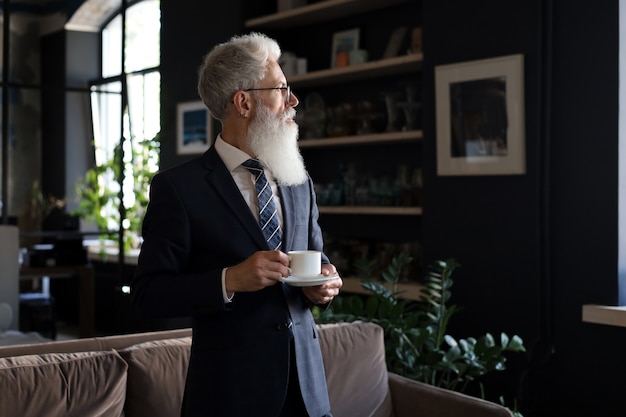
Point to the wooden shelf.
(373, 210)
(380, 68)
(378, 75)
(600, 314)
(374, 138)
(408, 291)
(319, 12)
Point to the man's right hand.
(260, 270)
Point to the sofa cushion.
(356, 371)
(156, 377)
(65, 385)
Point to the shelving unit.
(377, 72)
(319, 12)
(408, 291)
(375, 138)
(380, 68)
(372, 210)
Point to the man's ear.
(242, 102)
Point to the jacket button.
(283, 326)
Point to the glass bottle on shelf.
(392, 111)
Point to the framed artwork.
(343, 43)
(194, 128)
(480, 117)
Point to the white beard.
(274, 141)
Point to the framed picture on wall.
(194, 127)
(480, 117)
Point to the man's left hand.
(324, 293)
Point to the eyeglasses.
(286, 89)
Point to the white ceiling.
(92, 14)
(88, 15)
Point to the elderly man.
(206, 254)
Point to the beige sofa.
(143, 374)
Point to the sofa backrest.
(91, 344)
(156, 377)
(356, 371)
(134, 375)
(144, 374)
(80, 384)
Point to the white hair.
(235, 65)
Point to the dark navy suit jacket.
(197, 223)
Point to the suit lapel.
(288, 207)
(222, 182)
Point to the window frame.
(125, 134)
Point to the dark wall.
(533, 248)
(53, 114)
(490, 224)
(189, 30)
(487, 223)
(583, 206)
(66, 122)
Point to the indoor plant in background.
(416, 340)
(114, 202)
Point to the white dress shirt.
(233, 158)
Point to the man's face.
(276, 99)
(273, 133)
(273, 139)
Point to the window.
(126, 117)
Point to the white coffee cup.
(305, 263)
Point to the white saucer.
(307, 282)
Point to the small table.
(85, 275)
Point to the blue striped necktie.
(268, 216)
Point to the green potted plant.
(100, 200)
(416, 340)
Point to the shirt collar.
(231, 156)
